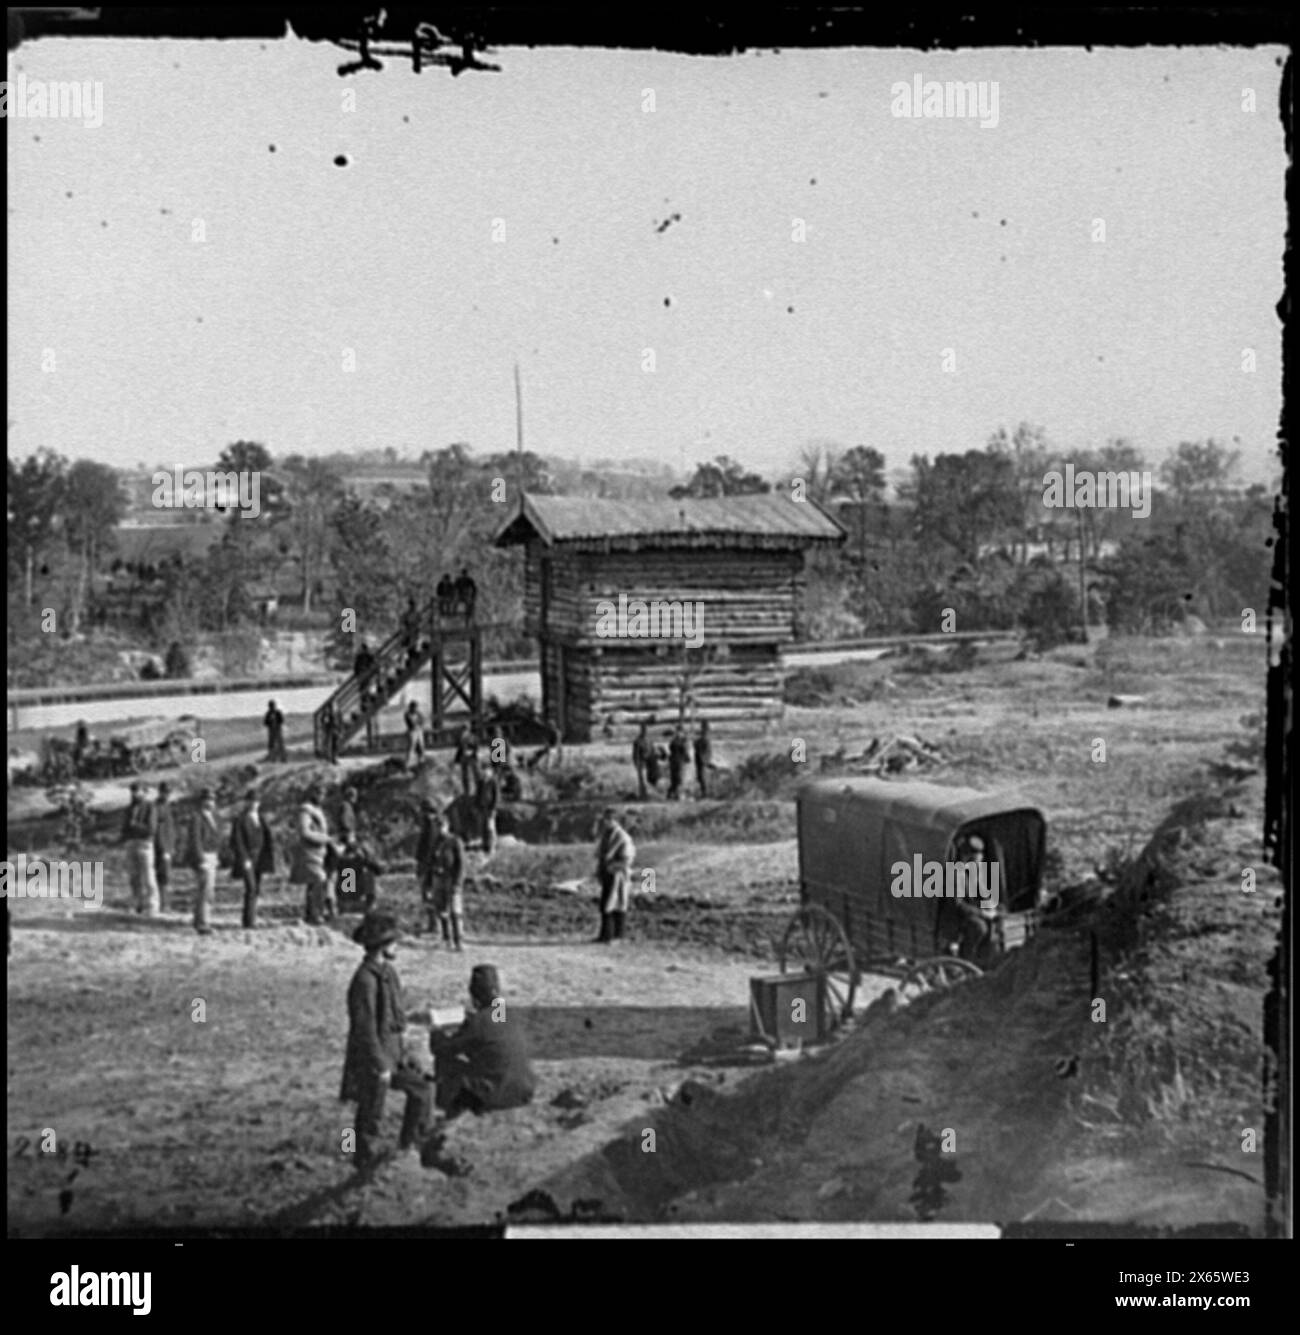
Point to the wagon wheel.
(139, 760)
(177, 750)
(815, 943)
(935, 975)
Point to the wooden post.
(1083, 583)
(476, 675)
(435, 686)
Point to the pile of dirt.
(924, 659)
(841, 685)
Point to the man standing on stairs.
(615, 852)
(411, 624)
(330, 733)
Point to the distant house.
(655, 610)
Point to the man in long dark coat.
(466, 759)
(615, 853)
(273, 722)
(164, 841)
(374, 1062)
(484, 1065)
(252, 854)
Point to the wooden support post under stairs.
(457, 678)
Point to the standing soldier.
(679, 754)
(446, 592)
(411, 626)
(273, 722)
(138, 833)
(374, 1062)
(487, 799)
(252, 854)
(642, 752)
(615, 852)
(654, 758)
(440, 860)
(310, 852)
(349, 823)
(81, 746)
(466, 758)
(414, 721)
(205, 841)
(466, 592)
(330, 734)
(164, 841)
(703, 758)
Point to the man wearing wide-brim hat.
(374, 1062)
(484, 1065)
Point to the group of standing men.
(457, 595)
(650, 758)
(155, 841)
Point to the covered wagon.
(885, 883)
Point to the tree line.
(962, 532)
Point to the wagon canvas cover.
(853, 831)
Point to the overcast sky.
(921, 235)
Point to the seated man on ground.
(483, 1066)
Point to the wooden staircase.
(451, 644)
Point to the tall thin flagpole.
(519, 431)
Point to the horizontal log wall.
(745, 595)
(611, 691)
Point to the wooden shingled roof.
(764, 521)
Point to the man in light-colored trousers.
(205, 844)
(138, 831)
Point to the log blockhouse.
(654, 611)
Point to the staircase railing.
(363, 696)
